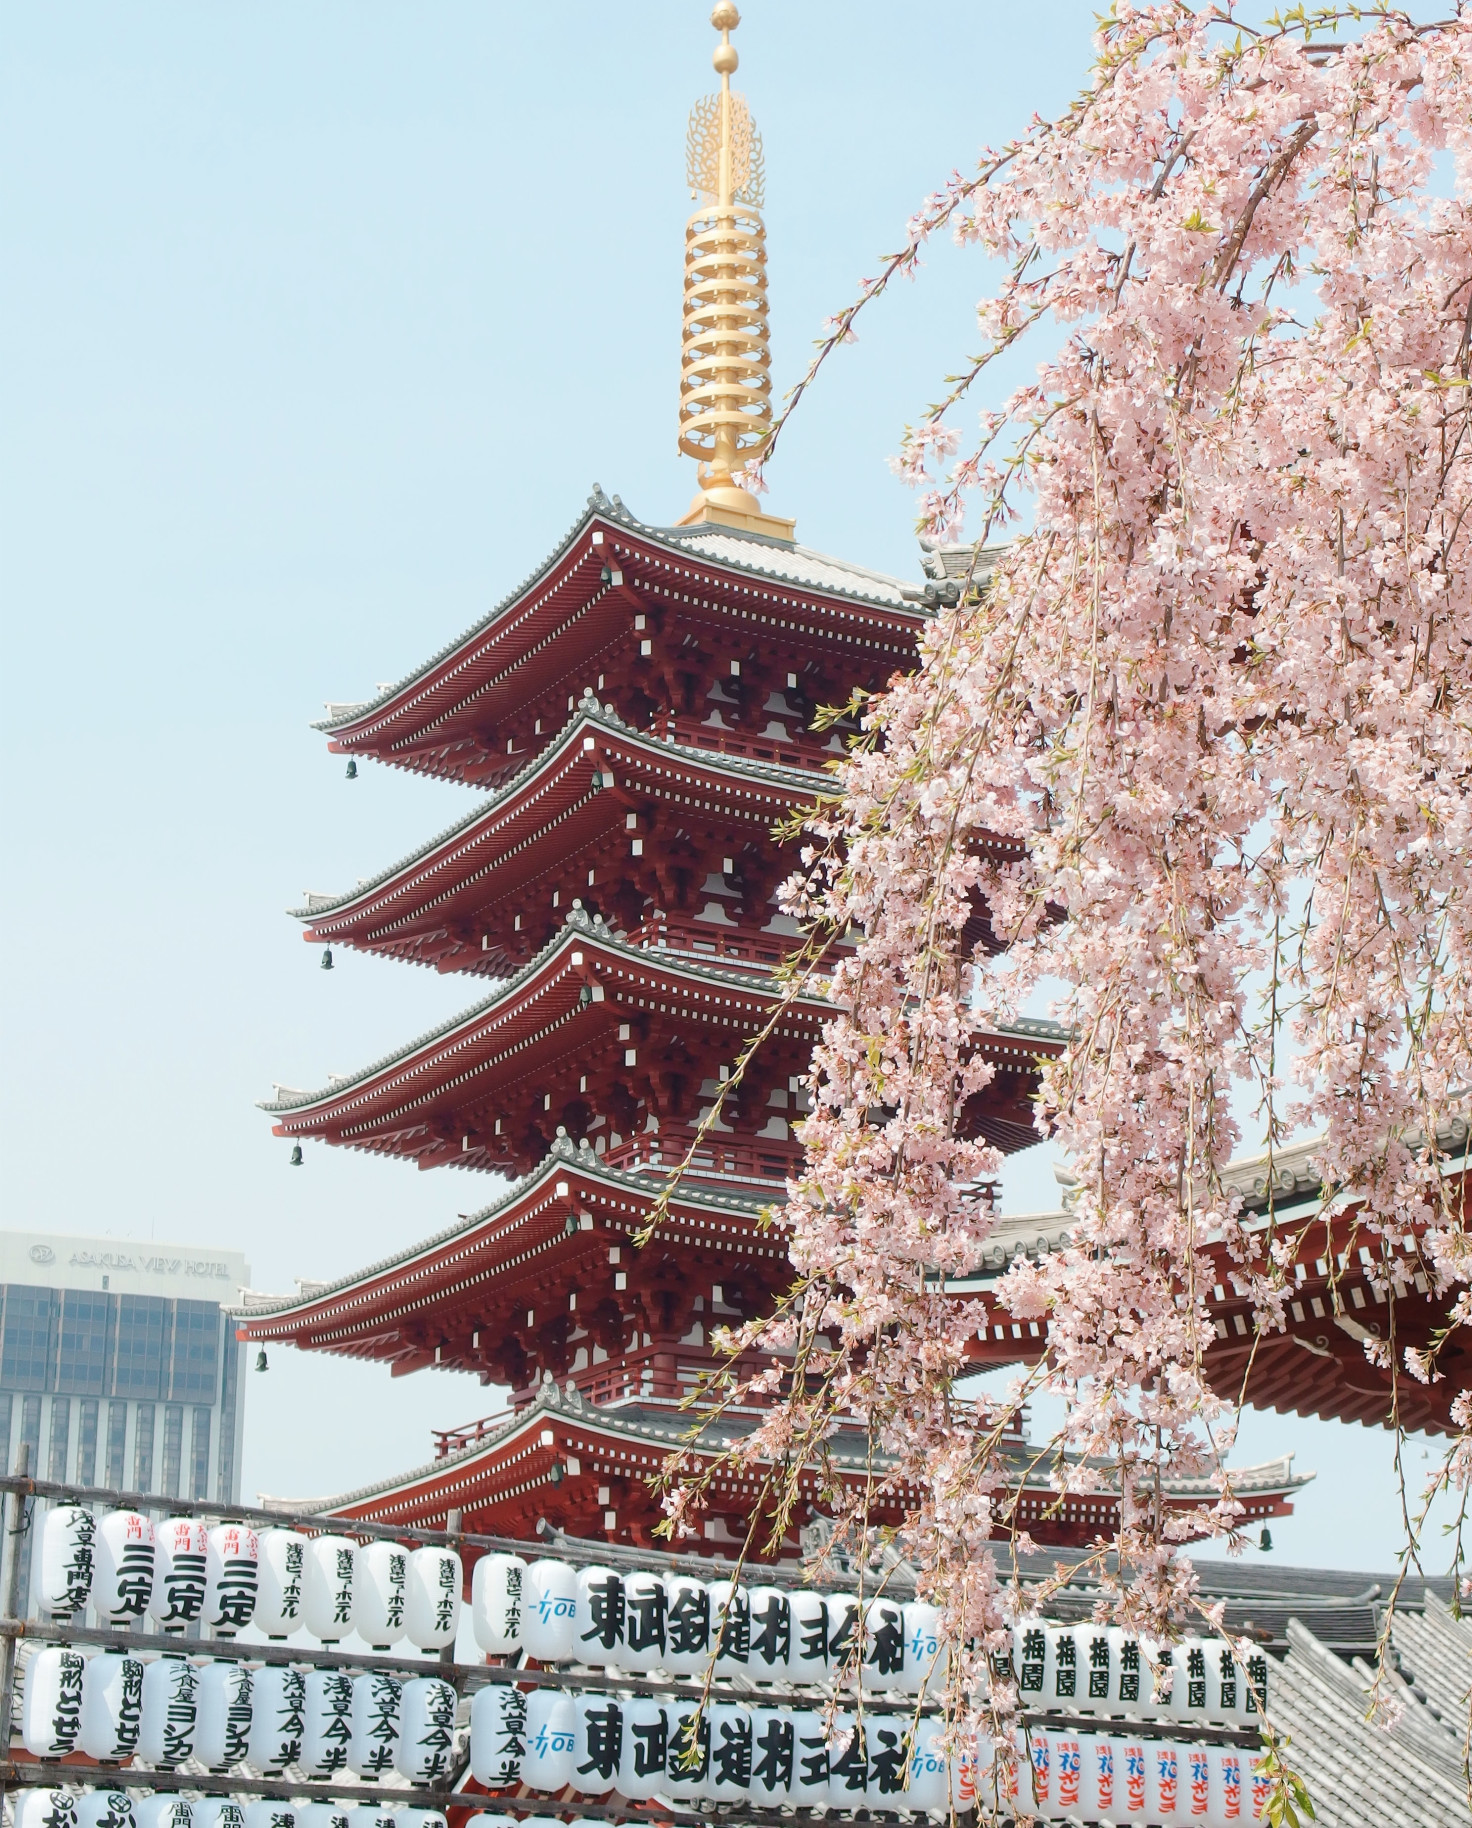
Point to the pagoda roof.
(526, 814)
(351, 1310)
(390, 1103)
(856, 607)
(535, 1457)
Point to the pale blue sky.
(318, 324)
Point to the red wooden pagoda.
(635, 719)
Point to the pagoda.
(634, 722)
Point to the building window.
(61, 1418)
(173, 1449)
(143, 1341)
(30, 1434)
(117, 1424)
(5, 1407)
(86, 1343)
(196, 1352)
(28, 1356)
(229, 1382)
(87, 1441)
(199, 1454)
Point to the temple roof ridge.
(556, 1161)
(577, 924)
(588, 714)
(737, 548)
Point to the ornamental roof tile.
(752, 554)
(589, 715)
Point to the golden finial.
(725, 362)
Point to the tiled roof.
(1435, 1654)
(1361, 1774)
(750, 553)
(562, 1156)
(577, 922)
(589, 714)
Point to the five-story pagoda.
(633, 721)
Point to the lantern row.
(638, 1623)
(117, 1809)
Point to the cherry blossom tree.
(1211, 677)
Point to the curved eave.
(434, 692)
(443, 866)
(574, 950)
(455, 1477)
(346, 1315)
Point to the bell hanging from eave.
(296, 1155)
(352, 771)
(327, 958)
(261, 1364)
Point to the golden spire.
(725, 364)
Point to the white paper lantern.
(641, 1772)
(1230, 1792)
(1068, 1770)
(51, 1715)
(1061, 1685)
(1131, 1769)
(112, 1706)
(377, 1706)
(1195, 1795)
(232, 1575)
(1003, 1776)
(426, 1730)
(104, 1809)
(280, 1558)
(327, 1721)
(432, 1608)
(600, 1614)
(1100, 1783)
(845, 1646)
(807, 1648)
(542, 1821)
(64, 1568)
(773, 1747)
(123, 1556)
(372, 1815)
(1038, 1774)
(163, 1811)
(688, 1762)
(926, 1775)
(1162, 1780)
(380, 1593)
(598, 1729)
(730, 1627)
(497, 1735)
(269, 1812)
(180, 1547)
(1252, 1689)
(223, 1709)
(645, 1605)
(218, 1812)
(549, 1612)
(884, 1645)
(46, 1809)
(483, 1818)
(550, 1738)
(170, 1711)
(327, 1587)
(769, 1614)
(848, 1762)
(1131, 1685)
(422, 1818)
(496, 1593)
(320, 1815)
(809, 1759)
(731, 1727)
(278, 1698)
(927, 1658)
(686, 1625)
